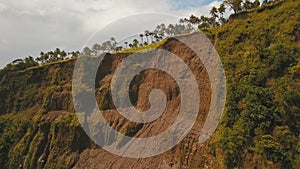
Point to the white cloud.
(31, 26)
(2, 7)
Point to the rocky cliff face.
(189, 153)
(51, 137)
(259, 128)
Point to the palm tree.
(214, 15)
(29, 61)
(151, 34)
(222, 10)
(194, 20)
(256, 3)
(135, 43)
(213, 12)
(107, 46)
(157, 38)
(130, 45)
(96, 48)
(235, 5)
(147, 34)
(205, 23)
(118, 48)
(113, 43)
(189, 27)
(74, 54)
(142, 38)
(87, 51)
(63, 55)
(40, 59)
(170, 30)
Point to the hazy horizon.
(34, 26)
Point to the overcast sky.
(28, 27)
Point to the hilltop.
(260, 128)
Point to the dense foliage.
(260, 51)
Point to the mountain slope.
(260, 127)
(260, 52)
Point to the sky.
(31, 26)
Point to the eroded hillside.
(50, 136)
(259, 128)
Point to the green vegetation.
(148, 39)
(144, 48)
(260, 50)
(11, 132)
(260, 56)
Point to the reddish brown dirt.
(187, 154)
